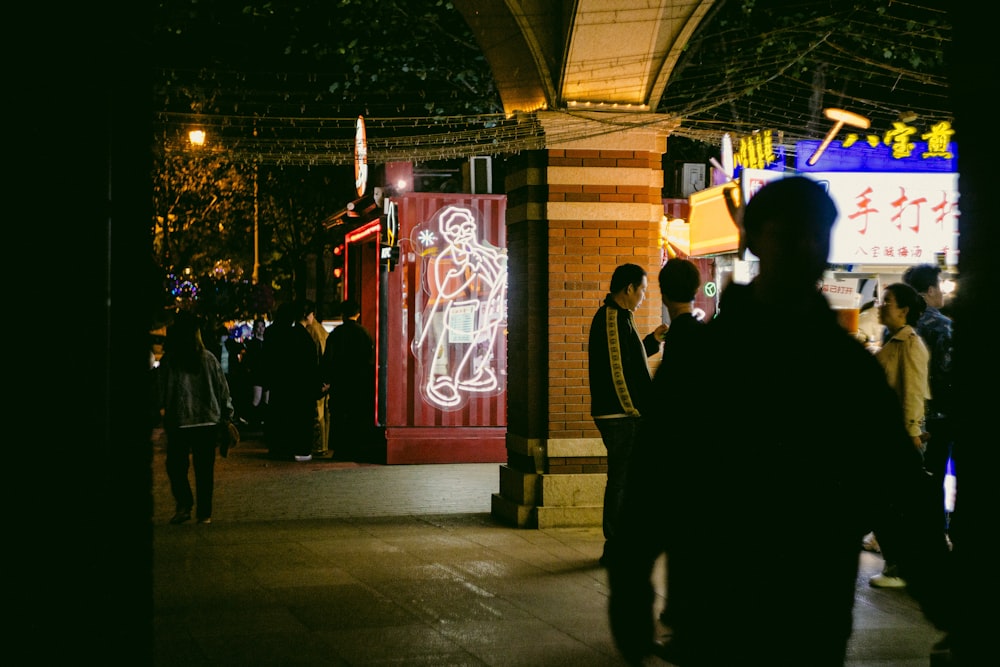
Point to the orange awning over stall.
(712, 229)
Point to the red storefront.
(439, 320)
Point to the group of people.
(316, 386)
(318, 389)
(741, 435)
(240, 353)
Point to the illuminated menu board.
(884, 217)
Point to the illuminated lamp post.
(256, 219)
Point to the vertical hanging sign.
(360, 157)
(389, 241)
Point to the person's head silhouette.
(787, 225)
(349, 309)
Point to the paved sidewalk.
(326, 563)
(249, 486)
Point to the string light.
(740, 87)
(737, 90)
(302, 141)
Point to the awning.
(676, 238)
(712, 228)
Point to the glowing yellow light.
(197, 137)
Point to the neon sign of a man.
(463, 310)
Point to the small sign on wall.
(692, 178)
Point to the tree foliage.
(203, 212)
(317, 58)
(322, 58)
(204, 223)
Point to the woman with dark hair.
(194, 399)
(904, 356)
(905, 359)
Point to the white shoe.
(886, 581)
(303, 459)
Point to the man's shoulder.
(934, 322)
(685, 327)
(599, 316)
(334, 336)
(210, 360)
(689, 320)
(349, 330)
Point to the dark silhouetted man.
(801, 436)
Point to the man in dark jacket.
(679, 282)
(934, 327)
(348, 372)
(619, 381)
(770, 437)
(291, 365)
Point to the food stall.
(897, 199)
(898, 206)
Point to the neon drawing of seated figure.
(463, 307)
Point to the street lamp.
(256, 214)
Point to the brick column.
(587, 203)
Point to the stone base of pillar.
(515, 505)
(569, 494)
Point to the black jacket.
(767, 459)
(631, 366)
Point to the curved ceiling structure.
(582, 54)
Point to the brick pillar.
(587, 203)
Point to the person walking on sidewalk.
(906, 360)
(194, 401)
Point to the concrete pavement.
(333, 563)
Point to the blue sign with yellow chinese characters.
(894, 151)
(862, 157)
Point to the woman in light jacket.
(904, 356)
(905, 359)
(194, 400)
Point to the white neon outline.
(470, 281)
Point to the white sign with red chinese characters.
(885, 218)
